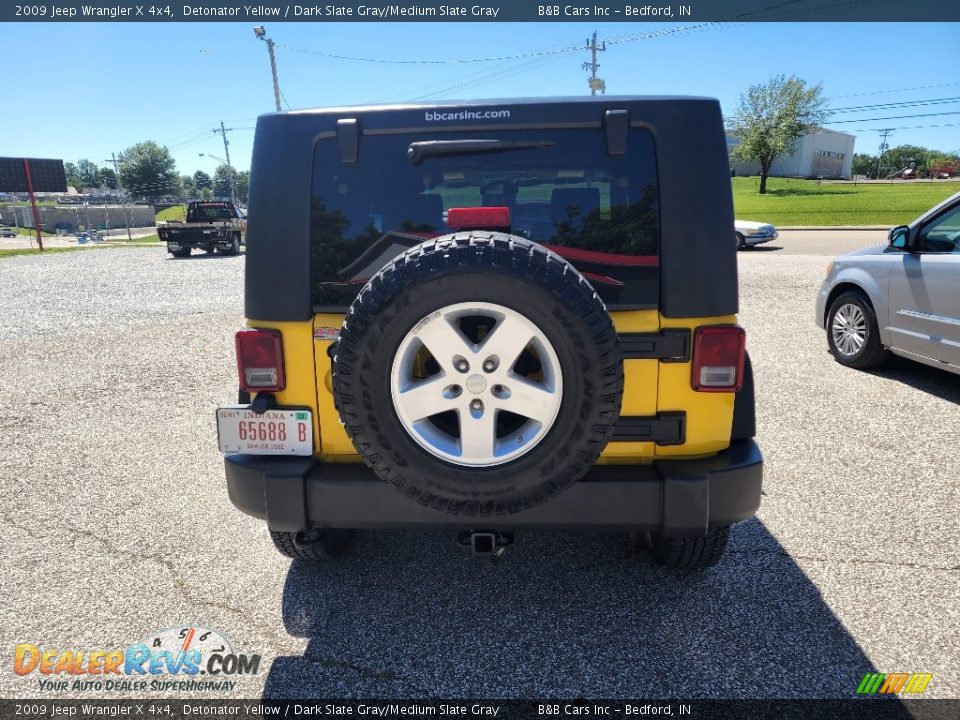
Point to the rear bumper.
(678, 498)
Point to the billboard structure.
(31, 175)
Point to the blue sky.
(85, 90)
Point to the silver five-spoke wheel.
(476, 384)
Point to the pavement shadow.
(409, 614)
(940, 383)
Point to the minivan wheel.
(313, 545)
(479, 373)
(853, 335)
(684, 553)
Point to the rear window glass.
(564, 192)
(210, 211)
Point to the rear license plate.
(275, 432)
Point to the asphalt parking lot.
(115, 522)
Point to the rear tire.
(741, 242)
(234, 248)
(685, 553)
(313, 545)
(181, 253)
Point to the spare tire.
(479, 373)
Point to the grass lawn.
(175, 213)
(13, 252)
(33, 233)
(804, 202)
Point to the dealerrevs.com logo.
(443, 115)
(183, 658)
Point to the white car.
(750, 233)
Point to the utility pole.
(262, 34)
(883, 146)
(123, 203)
(594, 82)
(226, 149)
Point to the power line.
(904, 127)
(893, 117)
(896, 105)
(883, 92)
(463, 61)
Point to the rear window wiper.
(419, 150)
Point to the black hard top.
(698, 265)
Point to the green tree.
(772, 116)
(221, 180)
(73, 177)
(148, 170)
(187, 185)
(89, 173)
(903, 157)
(201, 180)
(108, 177)
(864, 164)
(243, 186)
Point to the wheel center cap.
(476, 384)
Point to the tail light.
(479, 218)
(718, 353)
(260, 360)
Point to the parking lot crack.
(180, 587)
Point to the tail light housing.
(718, 353)
(479, 218)
(260, 360)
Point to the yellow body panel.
(301, 389)
(639, 376)
(336, 443)
(709, 415)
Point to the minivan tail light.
(718, 353)
(260, 360)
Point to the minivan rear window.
(562, 189)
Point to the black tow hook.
(486, 542)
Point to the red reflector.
(478, 218)
(718, 353)
(260, 360)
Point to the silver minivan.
(903, 297)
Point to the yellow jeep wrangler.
(489, 317)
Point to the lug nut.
(497, 389)
(489, 365)
(462, 365)
(476, 404)
(455, 390)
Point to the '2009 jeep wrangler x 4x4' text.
(489, 317)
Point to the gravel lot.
(116, 523)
